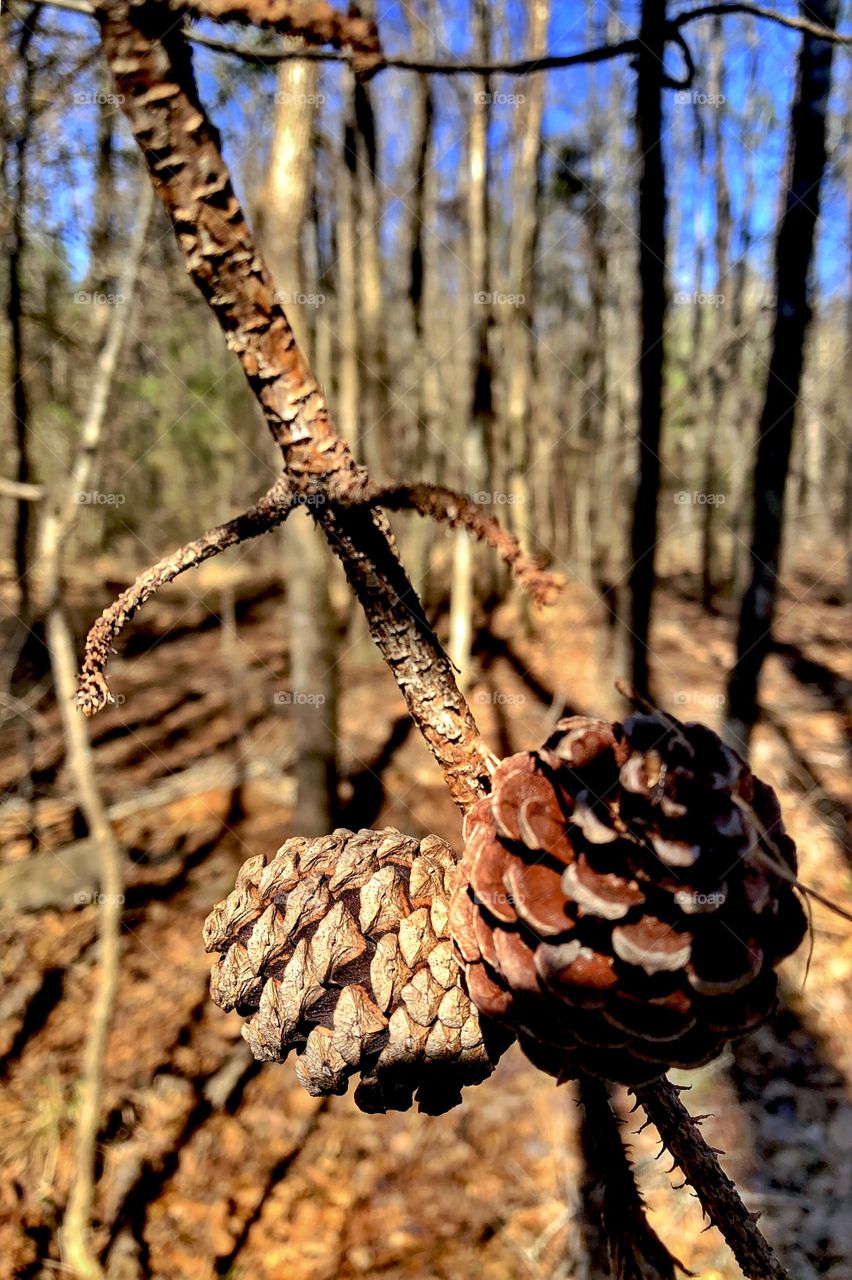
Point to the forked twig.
(433, 501)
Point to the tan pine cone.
(339, 948)
(618, 913)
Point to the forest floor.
(211, 1166)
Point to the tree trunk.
(312, 632)
(652, 276)
(14, 315)
(793, 257)
(523, 243)
(422, 215)
(478, 437)
(720, 429)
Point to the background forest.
(462, 257)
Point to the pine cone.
(339, 948)
(617, 913)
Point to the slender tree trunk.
(478, 437)
(794, 254)
(348, 369)
(14, 315)
(652, 275)
(78, 1252)
(523, 243)
(720, 429)
(741, 372)
(374, 426)
(312, 629)
(421, 205)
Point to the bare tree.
(793, 258)
(14, 305)
(652, 274)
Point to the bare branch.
(152, 67)
(93, 691)
(717, 1194)
(458, 509)
(429, 66)
(806, 25)
(22, 492)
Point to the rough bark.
(153, 71)
(793, 257)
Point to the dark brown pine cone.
(618, 913)
(339, 948)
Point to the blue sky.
(243, 116)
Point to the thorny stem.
(718, 1195)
